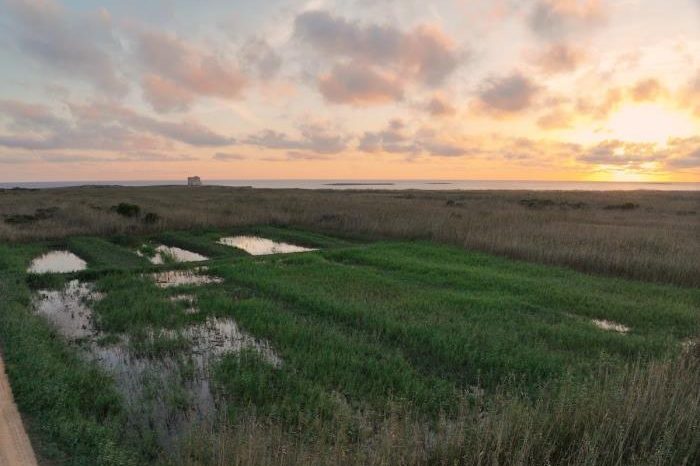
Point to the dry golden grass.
(642, 416)
(656, 238)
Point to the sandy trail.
(15, 448)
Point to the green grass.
(360, 328)
(332, 358)
(102, 254)
(471, 320)
(134, 303)
(74, 412)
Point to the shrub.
(39, 214)
(151, 218)
(536, 203)
(127, 210)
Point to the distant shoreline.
(361, 184)
(428, 185)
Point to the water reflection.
(165, 390)
(164, 254)
(57, 262)
(257, 246)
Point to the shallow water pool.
(257, 246)
(57, 262)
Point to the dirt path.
(15, 449)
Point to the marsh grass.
(103, 254)
(658, 240)
(393, 352)
(633, 416)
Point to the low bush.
(127, 210)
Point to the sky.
(604, 90)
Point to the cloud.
(647, 90)
(395, 139)
(690, 95)
(509, 94)
(313, 138)
(186, 131)
(685, 153)
(601, 109)
(691, 160)
(100, 126)
(32, 117)
(443, 149)
(374, 58)
(41, 129)
(358, 84)
(80, 46)
(164, 95)
(530, 152)
(555, 119)
(439, 106)
(621, 153)
(560, 58)
(336, 36)
(677, 153)
(430, 54)
(63, 158)
(226, 157)
(178, 72)
(556, 19)
(261, 58)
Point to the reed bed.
(645, 235)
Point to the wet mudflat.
(257, 246)
(163, 375)
(57, 262)
(68, 310)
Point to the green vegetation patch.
(471, 319)
(134, 303)
(102, 254)
(356, 328)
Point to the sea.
(385, 184)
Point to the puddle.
(217, 336)
(57, 262)
(611, 326)
(257, 246)
(68, 309)
(141, 378)
(171, 278)
(165, 254)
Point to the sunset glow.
(650, 123)
(342, 89)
